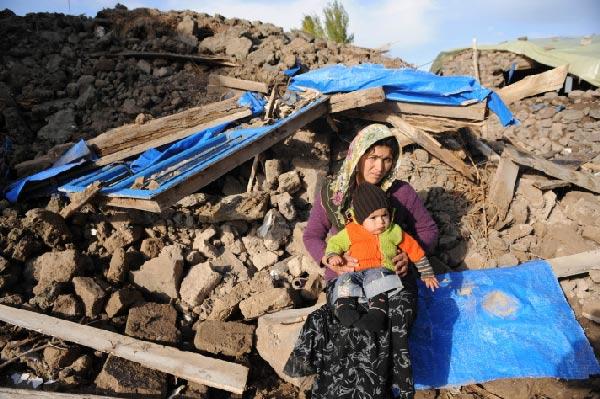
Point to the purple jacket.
(411, 215)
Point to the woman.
(349, 362)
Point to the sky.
(414, 30)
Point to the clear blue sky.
(416, 30)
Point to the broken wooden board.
(80, 199)
(534, 84)
(356, 99)
(127, 136)
(579, 179)
(239, 84)
(431, 124)
(188, 365)
(502, 190)
(423, 139)
(475, 112)
(169, 138)
(571, 265)
(195, 182)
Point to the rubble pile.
(224, 272)
(491, 64)
(61, 78)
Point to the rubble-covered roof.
(581, 53)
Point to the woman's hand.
(346, 267)
(401, 262)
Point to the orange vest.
(367, 248)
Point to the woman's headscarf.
(336, 194)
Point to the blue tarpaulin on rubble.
(187, 158)
(80, 153)
(407, 85)
(497, 323)
(75, 156)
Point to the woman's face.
(375, 164)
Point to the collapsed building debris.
(218, 271)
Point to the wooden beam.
(534, 84)
(239, 84)
(502, 190)
(80, 199)
(476, 111)
(356, 99)
(579, 179)
(425, 140)
(188, 365)
(169, 138)
(8, 393)
(566, 266)
(127, 136)
(318, 109)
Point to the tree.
(312, 24)
(336, 22)
(335, 27)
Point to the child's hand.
(431, 282)
(335, 260)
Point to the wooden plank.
(79, 199)
(475, 112)
(169, 138)
(126, 136)
(8, 393)
(579, 179)
(240, 84)
(190, 366)
(502, 190)
(356, 99)
(318, 109)
(423, 139)
(534, 84)
(571, 265)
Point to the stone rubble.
(213, 273)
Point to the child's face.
(377, 222)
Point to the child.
(373, 240)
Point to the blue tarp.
(407, 85)
(191, 156)
(489, 324)
(75, 156)
(256, 102)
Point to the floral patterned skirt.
(354, 363)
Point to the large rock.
(313, 172)
(239, 47)
(222, 337)
(198, 284)
(274, 230)
(162, 275)
(154, 322)
(265, 302)
(121, 300)
(259, 255)
(57, 266)
(225, 305)
(67, 305)
(582, 207)
(49, 226)
(276, 336)
(246, 206)
(91, 293)
(121, 376)
(60, 127)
